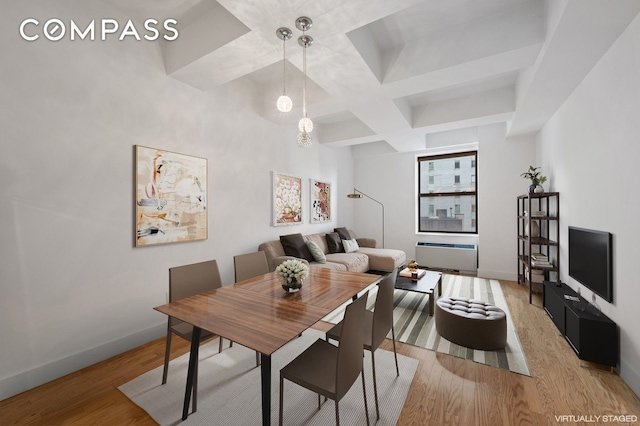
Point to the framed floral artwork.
(287, 200)
(171, 197)
(320, 201)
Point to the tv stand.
(594, 338)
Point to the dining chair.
(250, 265)
(328, 370)
(377, 325)
(185, 281)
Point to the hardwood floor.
(445, 390)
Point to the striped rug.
(414, 326)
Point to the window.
(447, 199)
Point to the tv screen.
(590, 260)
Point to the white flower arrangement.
(292, 270)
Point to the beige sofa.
(366, 258)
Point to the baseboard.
(630, 376)
(497, 275)
(26, 380)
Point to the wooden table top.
(259, 314)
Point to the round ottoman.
(471, 323)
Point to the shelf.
(539, 241)
(525, 260)
(547, 242)
(538, 195)
(539, 217)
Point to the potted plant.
(537, 180)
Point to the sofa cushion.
(350, 246)
(334, 243)
(316, 252)
(295, 246)
(320, 240)
(343, 232)
(384, 259)
(355, 262)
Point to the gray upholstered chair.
(185, 281)
(328, 370)
(377, 325)
(250, 265)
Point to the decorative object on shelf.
(412, 265)
(320, 201)
(358, 194)
(536, 180)
(305, 125)
(535, 229)
(287, 200)
(292, 273)
(171, 197)
(284, 103)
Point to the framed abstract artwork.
(171, 197)
(287, 200)
(320, 201)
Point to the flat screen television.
(590, 260)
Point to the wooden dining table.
(258, 314)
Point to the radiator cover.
(457, 257)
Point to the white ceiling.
(396, 71)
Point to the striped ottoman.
(471, 323)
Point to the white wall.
(391, 179)
(590, 152)
(73, 289)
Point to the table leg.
(193, 363)
(265, 376)
(431, 302)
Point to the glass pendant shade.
(284, 103)
(304, 140)
(305, 125)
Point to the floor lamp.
(359, 194)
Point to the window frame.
(426, 195)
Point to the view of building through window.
(447, 193)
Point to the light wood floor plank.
(445, 391)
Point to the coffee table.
(425, 284)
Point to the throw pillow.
(334, 243)
(350, 246)
(294, 245)
(343, 232)
(316, 252)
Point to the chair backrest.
(383, 311)
(350, 348)
(189, 280)
(250, 265)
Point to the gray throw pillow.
(316, 252)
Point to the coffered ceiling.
(393, 72)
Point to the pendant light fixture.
(284, 103)
(305, 125)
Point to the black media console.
(591, 334)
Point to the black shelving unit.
(547, 242)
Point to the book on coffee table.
(406, 272)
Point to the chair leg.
(281, 398)
(337, 413)
(167, 353)
(395, 354)
(375, 383)
(364, 393)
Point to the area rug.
(229, 389)
(414, 326)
